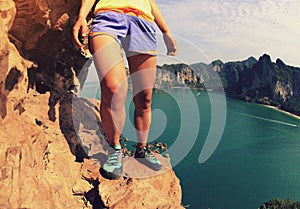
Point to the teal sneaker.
(112, 169)
(146, 157)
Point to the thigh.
(143, 72)
(109, 62)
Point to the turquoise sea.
(256, 160)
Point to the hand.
(170, 43)
(80, 26)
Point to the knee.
(143, 100)
(113, 95)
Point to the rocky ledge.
(47, 156)
(38, 168)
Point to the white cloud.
(235, 29)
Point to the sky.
(233, 30)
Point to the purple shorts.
(134, 34)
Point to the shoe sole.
(110, 176)
(145, 162)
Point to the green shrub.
(280, 204)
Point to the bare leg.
(143, 71)
(112, 76)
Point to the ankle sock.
(117, 147)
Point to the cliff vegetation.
(261, 81)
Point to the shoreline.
(283, 111)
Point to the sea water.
(256, 160)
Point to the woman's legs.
(112, 76)
(143, 72)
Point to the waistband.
(127, 11)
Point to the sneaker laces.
(149, 154)
(113, 156)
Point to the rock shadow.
(8, 82)
(76, 115)
(94, 198)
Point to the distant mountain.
(261, 81)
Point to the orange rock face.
(43, 163)
(38, 168)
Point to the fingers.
(80, 28)
(170, 44)
(172, 51)
(84, 32)
(76, 37)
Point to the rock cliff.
(261, 81)
(176, 75)
(38, 170)
(43, 163)
(264, 82)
